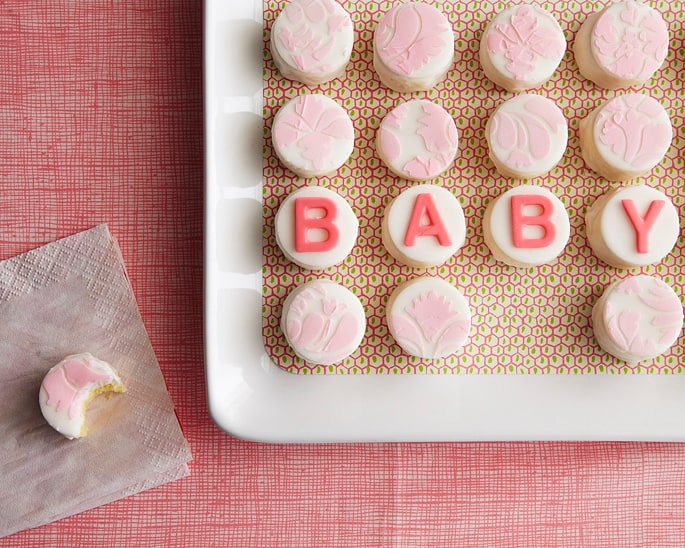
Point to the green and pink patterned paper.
(525, 321)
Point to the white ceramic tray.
(252, 398)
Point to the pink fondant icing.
(64, 383)
(304, 222)
(543, 219)
(425, 209)
(523, 40)
(642, 225)
(408, 37)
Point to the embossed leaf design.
(406, 49)
(343, 336)
(523, 41)
(407, 335)
(437, 131)
(452, 338)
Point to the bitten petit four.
(521, 47)
(526, 226)
(423, 226)
(413, 47)
(637, 319)
(417, 140)
(316, 227)
(68, 388)
(632, 226)
(311, 41)
(526, 136)
(312, 135)
(323, 322)
(622, 45)
(428, 317)
(625, 137)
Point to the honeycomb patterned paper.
(525, 321)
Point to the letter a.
(543, 220)
(424, 206)
(642, 225)
(304, 222)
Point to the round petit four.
(526, 136)
(637, 319)
(423, 226)
(632, 226)
(312, 135)
(428, 317)
(413, 47)
(625, 137)
(316, 227)
(526, 226)
(323, 322)
(68, 388)
(622, 45)
(311, 41)
(521, 47)
(417, 140)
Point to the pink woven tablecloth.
(101, 121)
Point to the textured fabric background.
(101, 121)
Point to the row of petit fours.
(527, 135)
(521, 47)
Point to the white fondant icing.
(500, 233)
(342, 218)
(527, 135)
(609, 226)
(425, 250)
(323, 322)
(312, 40)
(429, 318)
(312, 135)
(417, 140)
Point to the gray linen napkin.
(67, 297)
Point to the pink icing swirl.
(630, 40)
(410, 36)
(526, 136)
(633, 128)
(626, 326)
(333, 331)
(523, 41)
(308, 49)
(313, 126)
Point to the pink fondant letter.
(519, 219)
(304, 223)
(424, 206)
(642, 225)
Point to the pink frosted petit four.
(521, 47)
(312, 40)
(622, 45)
(413, 47)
